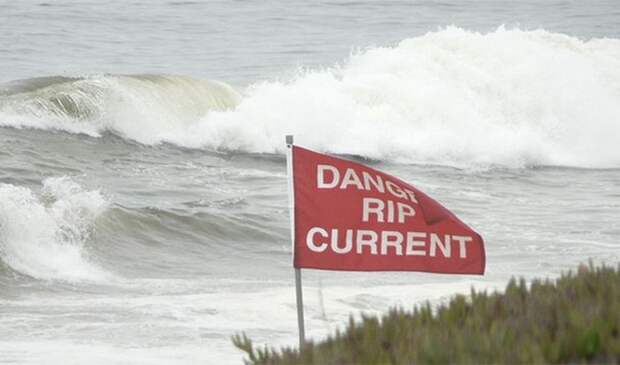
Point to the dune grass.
(574, 319)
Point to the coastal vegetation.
(572, 319)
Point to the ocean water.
(143, 206)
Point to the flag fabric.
(348, 216)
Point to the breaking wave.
(45, 235)
(144, 108)
(455, 97)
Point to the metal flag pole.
(291, 204)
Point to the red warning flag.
(348, 216)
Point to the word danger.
(329, 177)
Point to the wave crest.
(143, 108)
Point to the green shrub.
(574, 319)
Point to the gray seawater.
(143, 207)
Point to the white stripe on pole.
(291, 204)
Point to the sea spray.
(454, 97)
(44, 236)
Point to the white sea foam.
(45, 236)
(456, 97)
(510, 97)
